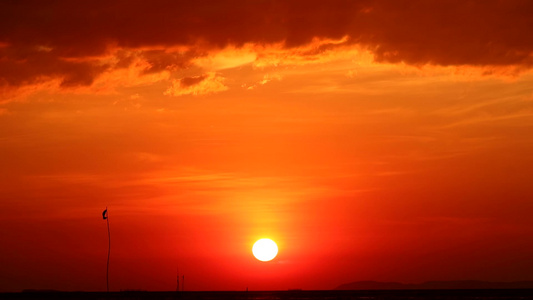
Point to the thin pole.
(108, 250)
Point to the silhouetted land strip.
(470, 294)
(436, 285)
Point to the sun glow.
(265, 249)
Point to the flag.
(104, 214)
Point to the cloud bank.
(77, 42)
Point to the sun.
(265, 249)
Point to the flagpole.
(108, 250)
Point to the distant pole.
(105, 215)
(183, 283)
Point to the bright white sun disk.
(265, 249)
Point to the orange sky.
(372, 140)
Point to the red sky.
(372, 140)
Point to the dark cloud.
(447, 32)
(160, 60)
(31, 66)
(450, 32)
(189, 81)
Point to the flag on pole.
(104, 214)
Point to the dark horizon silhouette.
(369, 285)
(435, 285)
(465, 294)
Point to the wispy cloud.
(266, 79)
(198, 85)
